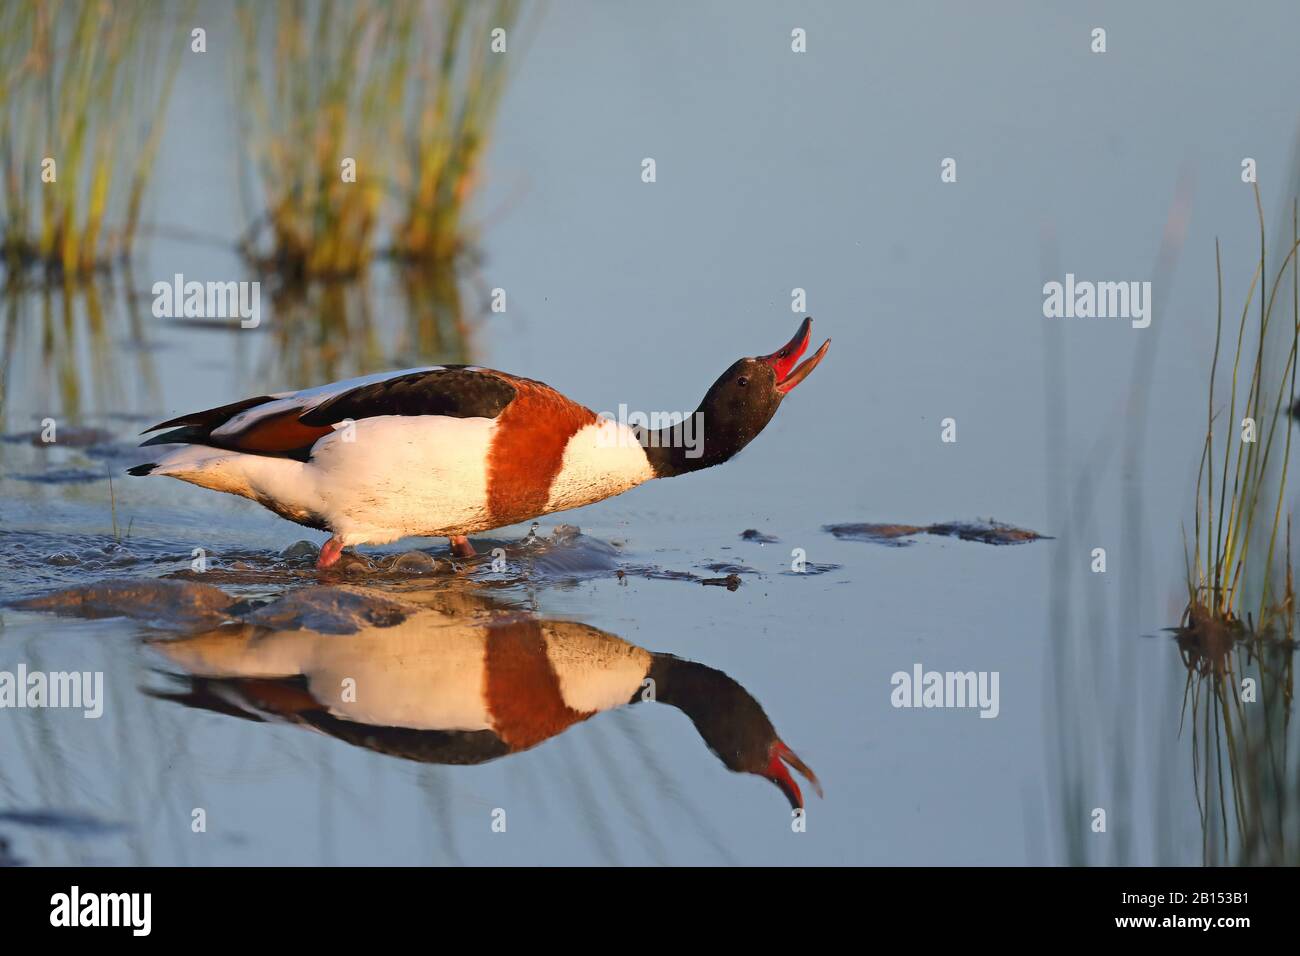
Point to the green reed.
(1226, 529)
(1240, 747)
(407, 89)
(82, 82)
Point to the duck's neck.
(683, 448)
(704, 694)
(684, 684)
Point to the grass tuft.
(407, 89)
(82, 84)
(1232, 637)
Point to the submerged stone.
(148, 599)
(329, 610)
(418, 562)
(301, 550)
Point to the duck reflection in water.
(444, 688)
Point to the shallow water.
(819, 174)
(633, 785)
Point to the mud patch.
(142, 599)
(329, 610)
(191, 606)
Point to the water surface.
(775, 171)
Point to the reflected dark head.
(731, 722)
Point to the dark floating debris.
(991, 532)
(655, 573)
(902, 535)
(812, 568)
(890, 535)
(724, 567)
(753, 534)
(730, 582)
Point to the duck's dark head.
(736, 408)
(732, 723)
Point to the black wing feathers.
(213, 417)
(454, 392)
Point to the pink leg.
(461, 547)
(329, 553)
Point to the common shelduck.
(441, 687)
(454, 450)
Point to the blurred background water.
(775, 171)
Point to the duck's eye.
(743, 380)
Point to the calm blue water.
(774, 171)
